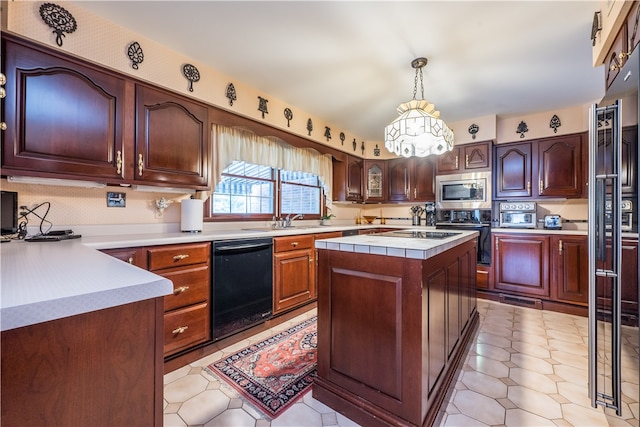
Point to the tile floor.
(526, 368)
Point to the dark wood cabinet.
(172, 135)
(410, 179)
(616, 57)
(521, 264)
(629, 281)
(570, 269)
(133, 256)
(513, 171)
(64, 118)
(347, 179)
(465, 158)
(560, 166)
(375, 175)
(549, 167)
(70, 119)
(294, 272)
(628, 166)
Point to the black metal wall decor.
(327, 133)
(309, 126)
(522, 128)
(603, 119)
(231, 93)
(191, 73)
(262, 106)
(554, 123)
(362, 148)
(596, 26)
(355, 144)
(136, 55)
(473, 130)
(58, 18)
(288, 114)
(376, 151)
(342, 137)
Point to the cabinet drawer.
(186, 327)
(190, 286)
(178, 255)
(291, 243)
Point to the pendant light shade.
(418, 131)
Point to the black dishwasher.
(241, 285)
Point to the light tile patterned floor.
(526, 368)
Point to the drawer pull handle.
(119, 162)
(130, 260)
(180, 330)
(140, 164)
(560, 247)
(180, 257)
(294, 244)
(180, 290)
(457, 162)
(466, 160)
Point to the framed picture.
(116, 200)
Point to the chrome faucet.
(288, 220)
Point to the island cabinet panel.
(64, 118)
(386, 326)
(522, 264)
(102, 368)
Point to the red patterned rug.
(273, 373)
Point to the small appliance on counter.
(430, 214)
(553, 222)
(518, 214)
(191, 217)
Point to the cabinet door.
(629, 282)
(424, 180)
(513, 171)
(375, 174)
(477, 156)
(570, 269)
(628, 176)
(521, 264)
(355, 171)
(294, 279)
(65, 119)
(172, 139)
(399, 182)
(449, 162)
(560, 166)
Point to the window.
(250, 191)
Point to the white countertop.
(404, 247)
(43, 281)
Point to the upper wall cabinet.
(375, 175)
(70, 119)
(172, 135)
(410, 180)
(550, 167)
(465, 158)
(63, 118)
(347, 179)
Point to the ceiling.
(349, 63)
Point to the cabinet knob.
(180, 290)
(119, 162)
(140, 164)
(180, 257)
(3, 79)
(3, 93)
(3, 126)
(179, 330)
(130, 260)
(294, 244)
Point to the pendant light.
(418, 131)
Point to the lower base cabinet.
(521, 264)
(294, 272)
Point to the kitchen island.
(81, 338)
(396, 312)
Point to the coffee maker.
(430, 213)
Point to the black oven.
(469, 220)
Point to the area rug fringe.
(273, 373)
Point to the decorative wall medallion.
(555, 123)
(309, 126)
(231, 93)
(473, 130)
(262, 106)
(134, 51)
(327, 133)
(362, 148)
(191, 73)
(595, 27)
(522, 128)
(376, 151)
(342, 137)
(355, 144)
(288, 114)
(58, 18)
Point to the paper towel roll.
(191, 215)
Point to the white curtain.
(233, 144)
